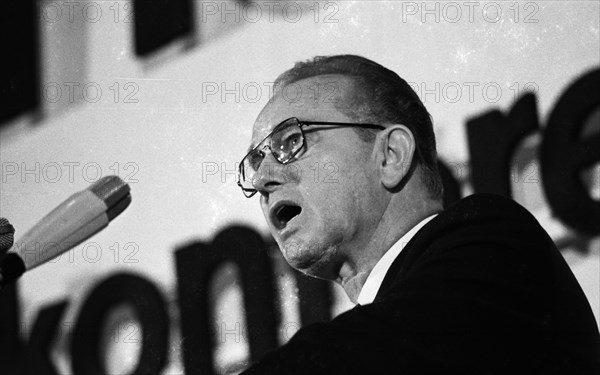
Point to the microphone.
(75, 220)
(6, 235)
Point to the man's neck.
(354, 273)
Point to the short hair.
(379, 95)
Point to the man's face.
(324, 205)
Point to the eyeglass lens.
(284, 144)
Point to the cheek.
(362, 188)
(365, 196)
(342, 193)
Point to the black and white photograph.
(302, 187)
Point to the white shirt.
(375, 278)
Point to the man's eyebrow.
(252, 147)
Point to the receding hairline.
(353, 92)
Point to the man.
(343, 158)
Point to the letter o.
(86, 95)
(149, 306)
(57, 90)
(98, 172)
(85, 12)
(484, 12)
(58, 13)
(285, 12)
(58, 173)
(454, 5)
(245, 12)
(486, 97)
(258, 95)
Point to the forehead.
(316, 98)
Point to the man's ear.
(396, 148)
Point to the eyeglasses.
(284, 142)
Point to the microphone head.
(7, 235)
(114, 192)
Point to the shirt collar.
(375, 278)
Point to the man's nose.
(270, 175)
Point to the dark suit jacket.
(480, 289)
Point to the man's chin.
(311, 262)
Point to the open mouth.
(283, 213)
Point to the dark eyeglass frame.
(249, 193)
